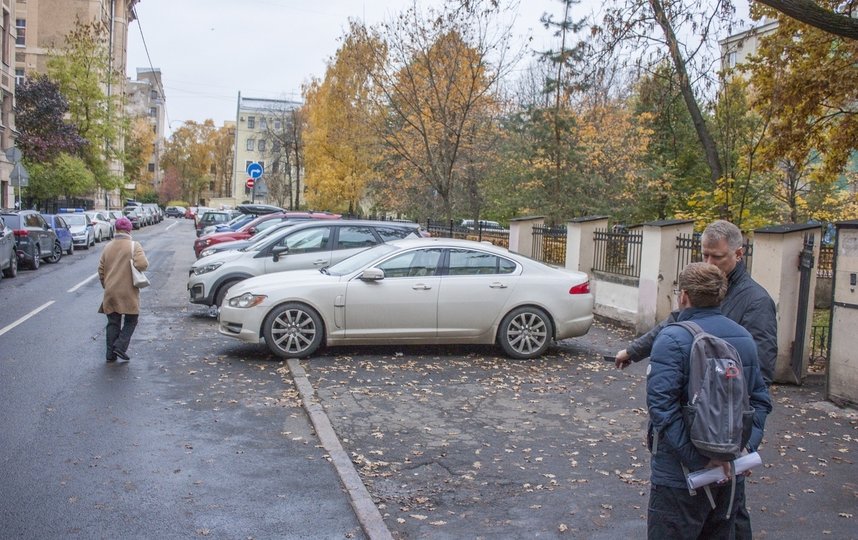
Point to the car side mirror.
(252, 231)
(277, 251)
(372, 274)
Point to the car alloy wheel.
(57, 254)
(12, 271)
(525, 333)
(293, 330)
(37, 258)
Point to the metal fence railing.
(549, 244)
(825, 264)
(618, 252)
(480, 233)
(819, 344)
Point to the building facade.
(7, 98)
(40, 28)
(145, 101)
(267, 132)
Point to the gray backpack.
(717, 414)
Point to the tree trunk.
(808, 12)
(710, 148)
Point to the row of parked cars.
(29, 237)
(143, 214)
(299, 282)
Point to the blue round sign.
(254, 170)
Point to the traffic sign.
(254, 170)
(249, 183)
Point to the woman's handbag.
(137, 276)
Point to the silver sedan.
(419, 291)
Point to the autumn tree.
(81, 69)
(138, 147)
(66, 176)
(837, 18)
(190, 155)
(341, 153)
(434, 76)
(806, 80)
(43, 132)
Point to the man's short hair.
(724, 230)
(704, 284)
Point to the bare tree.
(284, 154)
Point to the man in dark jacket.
(747, 302)
(673, 512)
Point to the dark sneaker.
(121, 354)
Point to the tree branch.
(810, 13)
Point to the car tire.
(12, 271)
(221, 292)
(70, 251)
(56, 255)
(98, 238)
(525, 333)
(293, 330)
(37, 258)
(91, 242)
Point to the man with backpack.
(716, 357)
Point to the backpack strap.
(691, 326)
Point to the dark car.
(8, 255)
(63, 231)
(34, 238)
(135, 215)
(175, 211)
(214, 217)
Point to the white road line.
(82, 283)
(25, 317)
(171, 226)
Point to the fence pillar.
(521, 234)
(776, 268)
(658, 270)
(580, 248)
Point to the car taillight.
(21, 232)
(583, 288)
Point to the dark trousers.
(676, 514)
(743, 519)
(119, 332)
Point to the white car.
(309, 244)
(422, 291)
(101, 224)
(81, 228)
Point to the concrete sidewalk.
(480, 446)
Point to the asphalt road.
(188, 439)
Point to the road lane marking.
(82, 283)
(171, 226)
(25, 317)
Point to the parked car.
(82, 229)
(310, 244)
(101, 224)
(425, 291)
(135, 215)
(8, 254)
(484, 224)
(155, 210)
(175, 211)
(114, 215)
(246, 213)
(241, 244)
(256, 225)
(64, 234)
(213, 217)
(34, 238)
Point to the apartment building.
(7, 98)
(41, 26)
(736, 48)
(145, 100)
(265, 133)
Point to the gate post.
(841, 379)
(777, 267)
(580, 248)
(521, 234)
(658, 270)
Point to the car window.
(395, 233)
(307, 240)
(32, 220)
(267, 224)
(353, 236)
(417, 263)
(13, 221)
(60, 223)
(75, 219)
(467, 262)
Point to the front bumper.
(242, 323)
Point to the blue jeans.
(119, 332)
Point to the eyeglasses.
(676, 292)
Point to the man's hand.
(725, 466)
(622, 360)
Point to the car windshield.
(359, 260)
(256, 239)
(75, 219)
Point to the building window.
(277, 125)
(731, 59)
(19, 75)
(261, 145)
(153, 111)
(275, 147)
(151, 167)
(5, 41)
(21, 27)
(263, 123)
(250, 144)
(275, 167)
(247, 164)
(251, 122)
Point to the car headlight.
(207, 252)
(246, 300)
(206, 268)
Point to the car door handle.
(421, 287)
(320, 262)
(497, 285)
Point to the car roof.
(437, 241)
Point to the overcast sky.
(209, 50)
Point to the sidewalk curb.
(365, 509)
